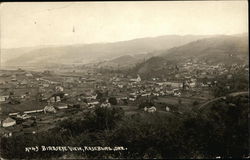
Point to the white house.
(177, 94)
(138, 79)
(8, 122)
(62, 107)
(151, 109)
(105, 105)
(24, 116)
(50, 109)
(3, 98)
(28, 75)
(167, 109)
(54, 99)
(59, 88)
(192, 84)
(46, 85)
(93, 103)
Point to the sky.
(26, 24)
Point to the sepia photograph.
(124, 80)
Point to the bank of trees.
(219, 130)
(225, 85)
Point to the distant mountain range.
(122, 53)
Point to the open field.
(130, 110)
(23, 106)
(178, 100)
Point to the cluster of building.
(62, 91)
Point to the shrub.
(112, 101)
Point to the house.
(155, 79)
(204, 85)
(192, 84)
(156, 94)
(167, 109)
(160, 83)
(138, 79)
(50, 109)
(59, 89)
(150, 110)
(177, 94)
(13, 79)
(24, 116)
(162, 93)
(28, 75)
(91, 106)
(187, 77)
(7, 134)
(146, 94)
(33, 111)
(3, 98)
(93, 103)
(23, 96)
(45, 85)
(62, 107)
(92, 97)
(105, 105)
(209, 84)
(54, 99)
(58, 99)
(8, 122)
(174, 84)
(120, 85)
(13, 114)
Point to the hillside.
(214, 50)
(124, 62)
(225, 49)
(86, 53)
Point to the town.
(33, 101)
